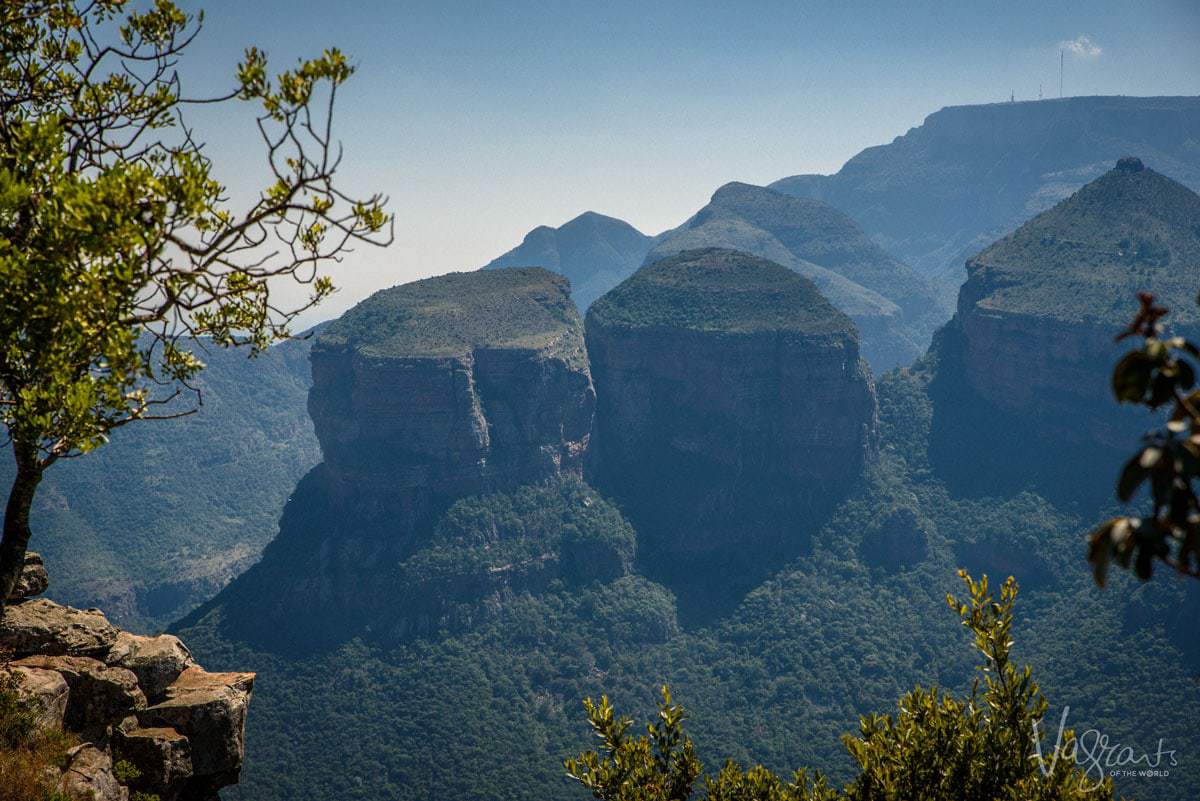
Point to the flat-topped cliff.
(424, 394)
(732, 410)
(1033, 337)
(452, 386)
(894, 310)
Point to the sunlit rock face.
(733, 410)
(1022, 393)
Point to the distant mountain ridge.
(593, 251)
(970, 174)
(893, 308)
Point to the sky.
(482, 120)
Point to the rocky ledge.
(140, 700)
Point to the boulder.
(34, 579)
(162, 756)
(156, 661)
(89, 774)
(39, 626)
(210, 710)
(100, 695)
(51, 691)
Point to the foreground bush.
(30, 760)
(937, 747)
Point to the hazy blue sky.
(482, 120)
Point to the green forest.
(492, 711)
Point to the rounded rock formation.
(733, 411)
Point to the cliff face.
(423, 394)
(126, 697)
(970, 174)
(733, 411)
(1033, 338)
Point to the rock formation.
(968, 175)
(426, 393)
(143, 700)
(893, 309)
(733, 410)
(1023, 370)
(488, 549)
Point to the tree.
(119, 251)
(1157, 374)
(985, 747)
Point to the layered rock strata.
(733, 410)
(426, 393)
(143, 700)
(1024, 368)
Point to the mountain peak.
(593, 251)
(1130, 164)
(1132, 229)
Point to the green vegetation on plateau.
(524, 307)
(716, 289)
(816, 233)
(1086, 258)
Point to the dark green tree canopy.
(937, 747)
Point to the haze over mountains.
(970, 174)
(515, 508)
(894, 310)
(593, 252)
(929, 200)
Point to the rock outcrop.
(733, 410)
(426, 393)
(139, 699)
(452, 386)
(893, 309)
(1022, 393)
